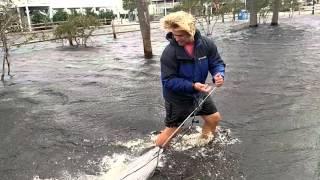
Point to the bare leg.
(165, 134)
(210, 123)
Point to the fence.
(52, 25)
(20, 38)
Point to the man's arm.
(216, 64)
(169, 73)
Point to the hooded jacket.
(179, 70)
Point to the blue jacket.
(179, 70)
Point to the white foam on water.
(188, 141)
(112, 166)
(136, 145)
(119, 162)
(38, 178)
(65, 175)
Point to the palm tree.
(253, 13)
(144, 21)
(275, 10)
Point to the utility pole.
(313, 1)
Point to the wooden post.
(113, 30)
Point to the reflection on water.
(65, 111)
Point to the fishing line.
(157, 156)
(173, 134)
(197, 100)
(192, 113)
(184, 132)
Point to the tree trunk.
(3, 65)
(234, 11)
(144, 21)
(5, 56)
(113, 30)
(253, 14)
(70, 40)
(275, 10)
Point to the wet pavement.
(66, 111)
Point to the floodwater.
(78, 113)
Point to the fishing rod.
(199, 105)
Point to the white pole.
(50, 12)
(28, 15)
(81, 11)
(245, 4)
(165, 7)
(20, 20)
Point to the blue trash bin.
(243, 14)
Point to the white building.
(49, 6)
(162, 6)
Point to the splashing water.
(180, 143)
(113, 165)
(188, 141)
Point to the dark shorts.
(177, 113)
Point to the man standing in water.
(185, 64)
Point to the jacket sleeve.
(216, 64)
(169, 73)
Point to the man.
(185, 64)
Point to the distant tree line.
(210, 10)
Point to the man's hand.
(218, 80)
(202, 87)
